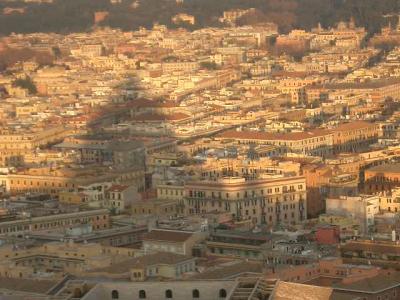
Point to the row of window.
(169, 294)
(38, 183)
(285, 189)
(248, 203)
(52, 224)
(171, 192)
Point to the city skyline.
(196, 149)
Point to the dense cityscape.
(243, 159)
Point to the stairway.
(263, 289)
(252, 288)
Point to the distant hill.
(65, 16)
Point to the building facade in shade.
(60, 258)
(354, 136)
(15, 145)
(382, 178)
(271, 201)
(99, 219)
(115, 237)
(53, 180)
(317, 178)
(95, 149)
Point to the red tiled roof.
(254, 135)
(117, 188)
(353, 125)
(296, 291)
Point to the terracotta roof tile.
(254, 135)
(296, 291)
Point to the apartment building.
(353, 136)
(314, 142)
(100, 149)
(361, 208)
(180, 66)
(56, 258)
(382, 178)
(160, 264)
(14, 145)
(377, 90)
(98, 219)
(379, 253)
(119, 198)
(172, 241)
(52, 180)
(268, 201)
(243, 166)
(390, 202)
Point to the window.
(168, 294)
(114, 294)
(195, 293)
(142, 294)
(222, 293)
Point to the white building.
(361, 208)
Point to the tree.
(26, 83)
(56, 51)
(11, 56)
(209, 65)
(77, 15)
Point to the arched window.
(222, 293)
(114, 294)
(142, 294)
(195, 293)
(168, 294)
